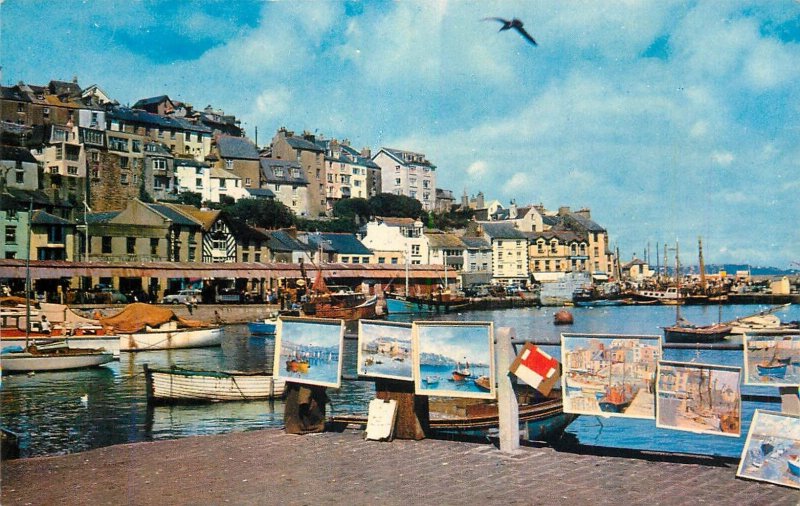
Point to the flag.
(536, 368)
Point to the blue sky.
(670, 120)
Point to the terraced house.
(407, 173)
(304, 152)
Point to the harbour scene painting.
(610, 375)
(772, 360)
(384, 350)
(699, 398)
(772, 450)
(309, 351)
(454, 359)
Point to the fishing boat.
(764, 320)
(483, 383)
(461, 374)
(342, 304)
(685, 332)
(58, 356)
(615, 400)
(143, 327)
(176, 385)
(264, 326)
(297, 364)
(435, 302)
(431, 380)
(793, 462)
(773, 369)
(540, 418)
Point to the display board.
(384, 350)
(309, 351)
(772, 450)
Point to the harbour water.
(66, 412)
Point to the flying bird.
(516, 24)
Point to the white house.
(395, 240)
(407, 173)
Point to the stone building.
(407, 173)
(310, 157)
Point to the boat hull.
(171, 339)
(32, 362)
(711, 334)
(183, 386)
(342, 311)
(86, 342)
(261, 327)
(396, 304)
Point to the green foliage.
(355, 209)
(454, 219)
(389, 204)
(346, 225)
(143, 195)
(190, 198)
(262, 213)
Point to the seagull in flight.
(516, 24)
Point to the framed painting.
(309, 351)
(384, 350)
(699, 398)
(454, 359)
(772, 360)
(772, 450)
(610, 374)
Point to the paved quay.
(271, 467)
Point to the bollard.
(507, 407)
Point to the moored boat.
(175, 385)
(439, 303)
(683, 332)
(342, 304)
(774, 369)
(483, 383)
(793, 462)
(52, 357)
(263, 327)
(142, 327)
(461, 374)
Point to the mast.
(28, 277)
(408, 252)
(702, 264)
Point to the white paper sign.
(380, 422)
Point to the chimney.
(563, 210)
(309, 137)
(366, 153)
(586, 213)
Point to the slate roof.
(205, 218)
(187, 162)
(151, 101)
(269, 164)
(392, 221)
(281, 240)
(586, 223)
(301, 143)
(16, 154)
(261, 193)
(240, 148)
(13, 93)
(343, 244)
(175, 216)
(502, 231)
(138, 116)
(65, 88)
(476, 243)
(397, 154)
(98, 218)
(220, 173)
(43, 218)
(445, 241)
(40, 198)
(562, 235)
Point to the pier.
(271, 467)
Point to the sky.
(670, 120)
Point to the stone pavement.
(270, 467)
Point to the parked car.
(183, 296)
(477, 290)
(106, 295)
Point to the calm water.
(74, 411)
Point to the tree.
(190, 198)
(356, 209)
(262, 213)
(389, 204)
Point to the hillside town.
(97, 181)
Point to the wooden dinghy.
(178, 385)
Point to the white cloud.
(273, 103)
(722, 158)
(477, 169)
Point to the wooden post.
(412, 410)
(790, 402)
(507, 407)
(304, 410)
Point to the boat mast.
(408, 252)
(702, 264)
(28, 277)
(677, 282)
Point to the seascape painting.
(610, 375)
(309, 351)
(772, 450)
(384, 350)
(454, 359)
(772, 360)
(699, 398)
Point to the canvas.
(610, 374)
(454, 359)
(772, 450)
(772, 360)
(309, 351)
(699, 398)
(536, 368)
(384, 350)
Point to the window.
(192, 251)
(277, 171)
(96, 173)
(381, 260)
(172, 134)
(394, 260)
(123, 178)
(257, 257)
(198, 183)
(95, 156)
(247, 182)
(153, 246)
(397, 181)
(53, 169)
(20, 176)
(355, 260)
(222, 184)
(106, 244)
(11, 214)
(59, 152)
(159, 164)
(72, 170)
(426, 183)
(117, 143)
(45, 112)
(245, 257)
(11, 235)
(136, 146)
(345, 260)
(130, 245)
(415, 249)
(229, 164)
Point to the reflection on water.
(63, 412)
